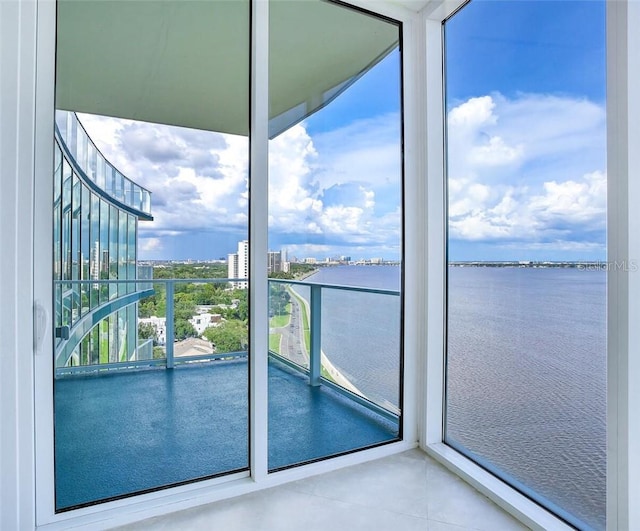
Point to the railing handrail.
(83, 325)
(202, 280)
(150, 280)
(380, 291)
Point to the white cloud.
(343, 186)
(522, 171)
(150, 244)
(339, 188)
(573, 201)
(528, 170)
(293, 202)
(198, 179)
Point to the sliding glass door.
(335, 231)
(150, 245)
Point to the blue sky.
(527, 161)
(527, 158)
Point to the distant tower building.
(274, 259)
(238, 265)
(94, 271)
(232, 265)
(104, 264)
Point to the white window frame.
(623, 305)
(135, 508)
(27, 34)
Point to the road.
(292, 345)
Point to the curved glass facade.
(96, 213)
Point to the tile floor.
(404, 492)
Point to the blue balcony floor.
(128, 432)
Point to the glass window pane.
(335, 210)
(104, 251)
(526, 287)
(85, 247)
(141, 364)
(94, 256)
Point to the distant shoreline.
(591, 265)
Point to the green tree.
(282, 275)
(183, 329)
(230, 336)
(278, 299)
(147, 331)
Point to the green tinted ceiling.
(186, 63)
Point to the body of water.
(526, 370)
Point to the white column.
(623, 175)
(435, 258)
(258, 232)
(17, 119)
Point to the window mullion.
(258, 227)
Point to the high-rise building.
(95, 321)
(238, 265)
(274, 261)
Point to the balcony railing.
(92, 164)
(346, 338)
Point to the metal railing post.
(169, 325)
(315, 332)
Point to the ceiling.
(186, 62)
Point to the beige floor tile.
(405, 492)
(451, 500)
(396, 483)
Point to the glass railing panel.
(110, 181)
(82, 147)
(360, 343)
(118, 186)
(72, 140)
(209, 321)
(137, 198)
(146, 201)
(61, 118)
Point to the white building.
(238, 265)
(202, 321)
(160, 325)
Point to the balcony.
(170, 414)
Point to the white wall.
(623, 173)
(17, 118)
